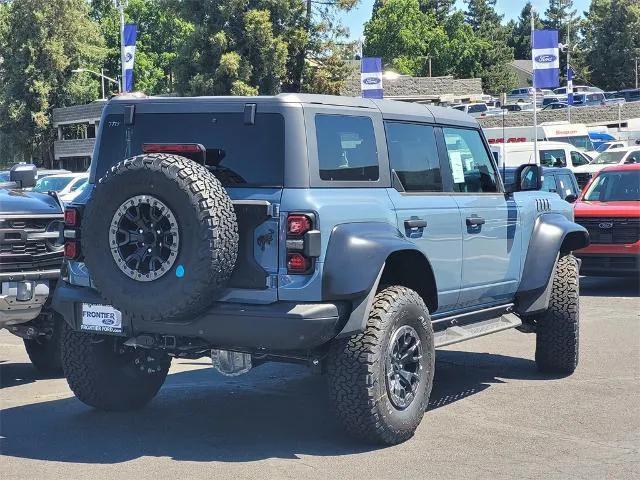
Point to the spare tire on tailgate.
(159, 237)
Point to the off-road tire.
(357, 372)
(208, 232)
(557, 330)
(45, 352)
(103, 377)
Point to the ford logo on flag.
(128, 57)
(545, 58)
(371, 80)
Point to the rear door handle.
(475, 221)
(415, 223)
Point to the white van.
(550, 154)
(576, 134)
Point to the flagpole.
(120, 5)
(535, 93)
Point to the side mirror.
(528, 177)
(24, 174)
(571, 198)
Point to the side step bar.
(460, 333)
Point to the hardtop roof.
(388, 108)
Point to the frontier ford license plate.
(101, 318)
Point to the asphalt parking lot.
(491, 415)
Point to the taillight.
(71, 249)
(71, 217)
(298, 224)
(297, 263)
(71, 233)
(303, 243)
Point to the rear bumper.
(277, 326)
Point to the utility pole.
(535, 98)
(121, 5)
(636, 72)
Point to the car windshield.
(617, 186)
(583, 142)
(609, 158)
(48, 184)
(603, 147)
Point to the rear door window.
(566, 186)
(242, 155)
(346, 148)
(413, 156)
(549, 183)
(471, 166)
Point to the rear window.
(244, 155)
(346, 148)
(477, 108)
(553, 158)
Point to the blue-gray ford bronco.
(351, 235)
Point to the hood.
(19, 202)
(607, 209)
(591, 168)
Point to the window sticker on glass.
(456, 166)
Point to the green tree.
(260, 46)
(406, 38)
(611, 42)
(441, 9)
(520, 33)
(497, 77)
(40, 44)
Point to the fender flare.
(354, 262)
(553, 236)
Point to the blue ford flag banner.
(371, 77)
(569, 86)
(546, 59)
(130, 34)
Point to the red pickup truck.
(609, 208)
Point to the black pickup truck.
(31, 254)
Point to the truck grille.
(612, 230)
(582, 178)
(30, 244)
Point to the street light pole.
(102, 81)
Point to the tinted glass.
(470, 163)
(477, 108)
(582, 142)
(566, 186)
(577, 159)
(414, 156)
(48, 184)
(634, 157)
(242, 155)
(552, 158)
(548, 183)
(346, 148)
(620, 186)
(78, 184)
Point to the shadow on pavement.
(12, 374)
(275, 411)
(609, 286)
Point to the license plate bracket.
(100, 319)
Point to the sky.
(355, 19)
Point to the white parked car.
(478, 109)
(65, 185)
(613, 156)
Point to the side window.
(552, 158)
(414, 156)
(578, 159)
(77, 185)
(470, 163)
(565, 186)
(634, 157)
(346, 148)
(548, 183)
